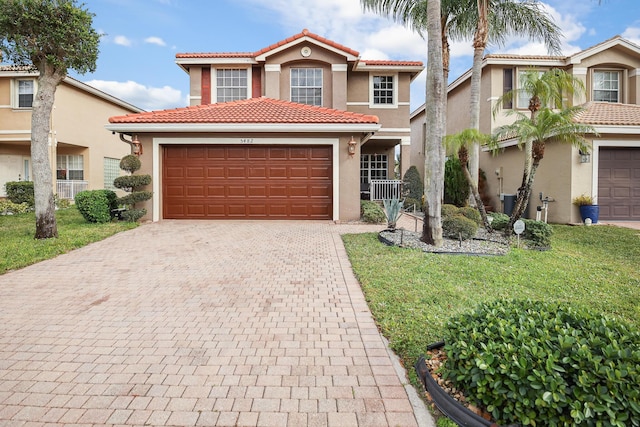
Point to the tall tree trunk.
(434, 153)
(480, 40)
(476, 196)
(46, 226)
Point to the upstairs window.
(26, 90)
(383, 90)
(70, 168)
(606, 86)
(231, 84)
(306, 86)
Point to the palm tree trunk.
(524, 193)
(480, 40)
(46, 226)
(434, 153)
(476, 196)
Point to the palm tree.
(545, 90)
(459, 144)
(495, 21)
(537, 130)
(423, 15)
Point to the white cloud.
(148, 98)
(632, 34)
(122, 41)
(155, 40)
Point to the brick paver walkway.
(197, 323)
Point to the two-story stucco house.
(294, 130)
(82, 154)
(610, 72)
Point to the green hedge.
(96, 205)
(20, 192)
(371, 212)
(456, 186)
(545, 364)
(459, 227)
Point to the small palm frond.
(466, 139)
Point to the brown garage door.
(619, 183)
(247, 182)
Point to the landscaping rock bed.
(482, 244)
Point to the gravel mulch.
(483, 244)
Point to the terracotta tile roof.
(255, 110)
(304, 33)
(392, 63)
(15, 68)
(530, 57)
(609, 113)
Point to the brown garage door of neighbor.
(247, 182)
(619, 183)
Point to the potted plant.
(588, 208)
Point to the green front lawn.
(18, 248)
(411, 294)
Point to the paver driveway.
(197, 323)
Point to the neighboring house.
(82, 154)
(611, 174)
(295, 130)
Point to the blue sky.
(141, 37)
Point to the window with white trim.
(306, 86)
(70, 167)
(373, 166)
(383, 90)
(606, 86)
(231, 84)
(111, 170)
(25, 93)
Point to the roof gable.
(307, 36)
(616, 41)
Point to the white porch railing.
(69, 189)
(381, 189)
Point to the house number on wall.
(246, 140)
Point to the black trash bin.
(509, 202)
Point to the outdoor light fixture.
(585, 157)
(136, 146)
(352, 146)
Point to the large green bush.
(449, 210)
(459, 227)
(371, 212)
(545, 364)
(537, 233)
(412, 185)
(96, 205)
(7, 207)
(500, 220)
(472, 213)
(20, 192)
(456, 187)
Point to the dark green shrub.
(472, 213)
(412, 185)
(456, 187)
(130, 163)
(500, 220)
(448, 210)
(127, 182)
(20, 192)
(371, 212)
(538, 233)
(545, 364)
(459, 227)
(96, 205)
(409, 204)
(135, 197)
(133, 215)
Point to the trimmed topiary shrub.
(472, 213)
(537, 233)
(448, 210)
(96, 205)
(456, 187)
(545, 364)
(459, 227)
(20, 192)
(371, 212)
(132, 184)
